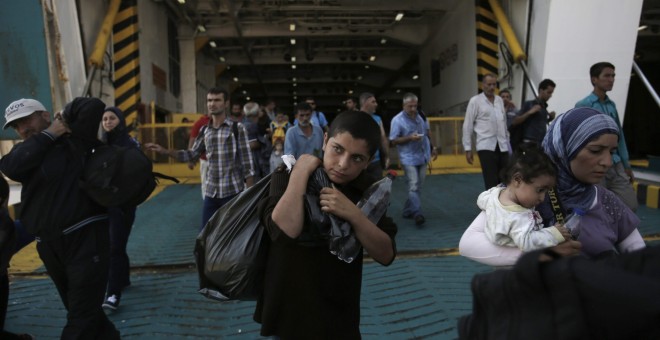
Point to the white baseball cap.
(21, 108)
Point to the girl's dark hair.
(530, 162)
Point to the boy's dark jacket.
(49, 170)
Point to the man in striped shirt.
(230, 164)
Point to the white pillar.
(188, 74)
(569, 36)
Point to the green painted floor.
(419, 296)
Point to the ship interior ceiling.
(326, 49)
(332, 49)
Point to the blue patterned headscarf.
(566, 137)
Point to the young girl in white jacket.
(511, 217)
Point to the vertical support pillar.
(568, 36)
(126, 60)
(487, 61)
(188, 73)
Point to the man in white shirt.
(485, 118)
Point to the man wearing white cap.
(27, 116)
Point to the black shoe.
(112, 302)
(419, 220)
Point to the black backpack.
(119, 176)
(568, 298)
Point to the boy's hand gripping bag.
(231, 250)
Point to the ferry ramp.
(420, 296)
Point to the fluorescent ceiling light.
(236, 79)
(244, 92)
(222, 59)
(292, 27)
(399, 16)
(182, 1)
(201, 28)
(293, 67)
(248, 98)
(383, 41)
(293, 59)
(415, 77)
(212, 43)
(641, 28)
(372, 58)
(293, 41)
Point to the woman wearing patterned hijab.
(580, 143)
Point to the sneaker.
(419, 219)
(112, 302)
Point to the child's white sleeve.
(527, 233)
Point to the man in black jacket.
(533, 117)
(71, 229)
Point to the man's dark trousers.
(78, 264)
(492, 162)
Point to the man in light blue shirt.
(619, 177)
(409, 131)
(318, 118)
(303, 138)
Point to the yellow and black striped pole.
(126, 60)
(487, 38)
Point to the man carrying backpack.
(71, 229)
(230, 164)
(533, 117)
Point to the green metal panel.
(23, 56)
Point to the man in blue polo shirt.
(619, 177)
(409, 131)
(305, 137)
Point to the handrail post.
(96, 59)
(646, 83)
(518, 54)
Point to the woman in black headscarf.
(112, 131)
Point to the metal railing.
(446, 134)
(647, 83)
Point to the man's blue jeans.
(211, 204)
(415, 175)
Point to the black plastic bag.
(313, 213)
(231, 250)
(339, 234)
